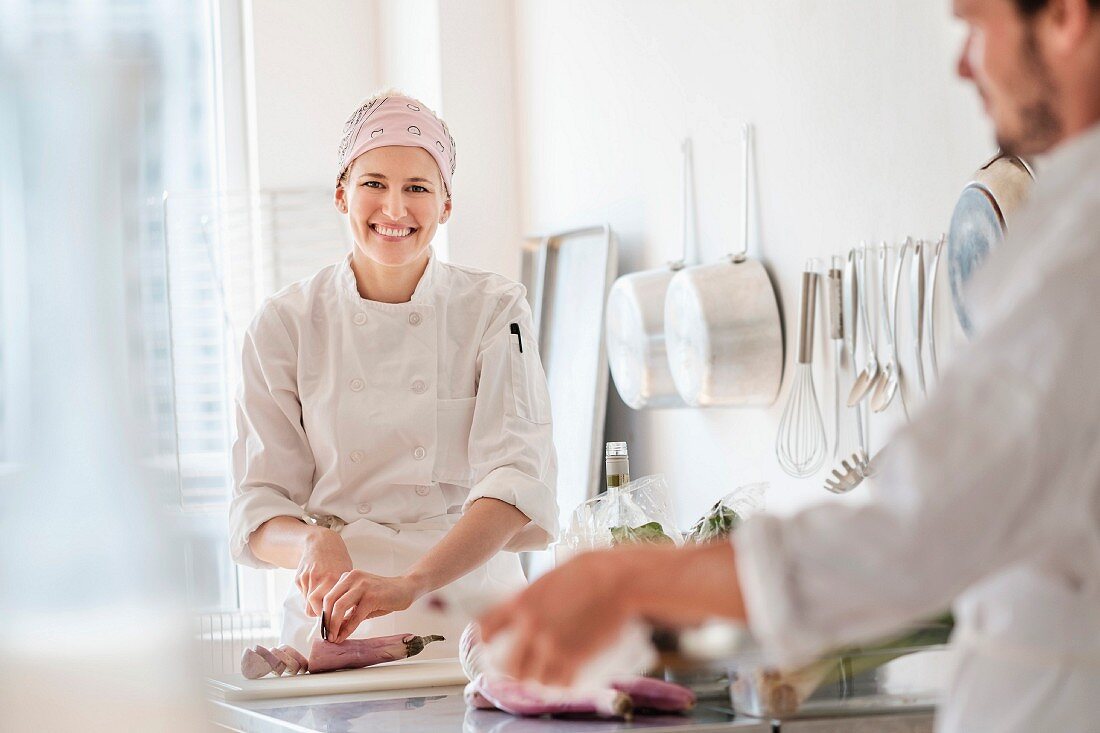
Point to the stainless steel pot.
(636, 323)
(980, 221)
(722, 327)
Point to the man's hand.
(565, 617)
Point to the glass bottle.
(617, 464)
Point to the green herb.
(714, 525)
(646, 533)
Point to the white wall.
(862, 132)
(312, 63)
(479, 106)
(571, 112)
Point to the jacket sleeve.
(273, 465)
(511, 439)
(978, 482)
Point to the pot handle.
(746, 148)
(687, 204)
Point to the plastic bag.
(728, 513)
(637, 512)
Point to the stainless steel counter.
(442, 710)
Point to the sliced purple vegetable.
(297, 656)
(254, 665)
(291, 664)
(277, 666)
(652, 694)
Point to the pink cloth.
(397, 120)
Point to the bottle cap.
(616, 449)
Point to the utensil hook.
(746, 149)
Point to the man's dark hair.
(1031, 7)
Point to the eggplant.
(475, 699)
(652, 694)
(297, 656)
(291, 664)
(277, 665)
(254, 665)
(327, 656)
(531, 699)
(470, 650)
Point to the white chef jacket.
(392, 418)
(989, 499)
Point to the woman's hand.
(359, 595)
(325, 560)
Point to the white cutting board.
(393, 676)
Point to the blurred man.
(989, 501)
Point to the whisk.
(800, 446)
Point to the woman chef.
(393, 424)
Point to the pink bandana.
(397, 120)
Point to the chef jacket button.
(419, 386)
(359, 319)
(415, 319)
(356, 456)
(356, 385)
(422, 490)
(419, 453)
(363, 508)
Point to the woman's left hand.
(360, 595)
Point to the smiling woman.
(385, 448)
(394, 200)
(394, 185)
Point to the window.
(216, 249)
(195, 262)
(139, 76)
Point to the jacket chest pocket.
(529, 393)
(454, 419)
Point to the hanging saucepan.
(722, 327)
(636, 323)
(980, 221)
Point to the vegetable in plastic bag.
(639, 511)
(648, 533)
(728, 513)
